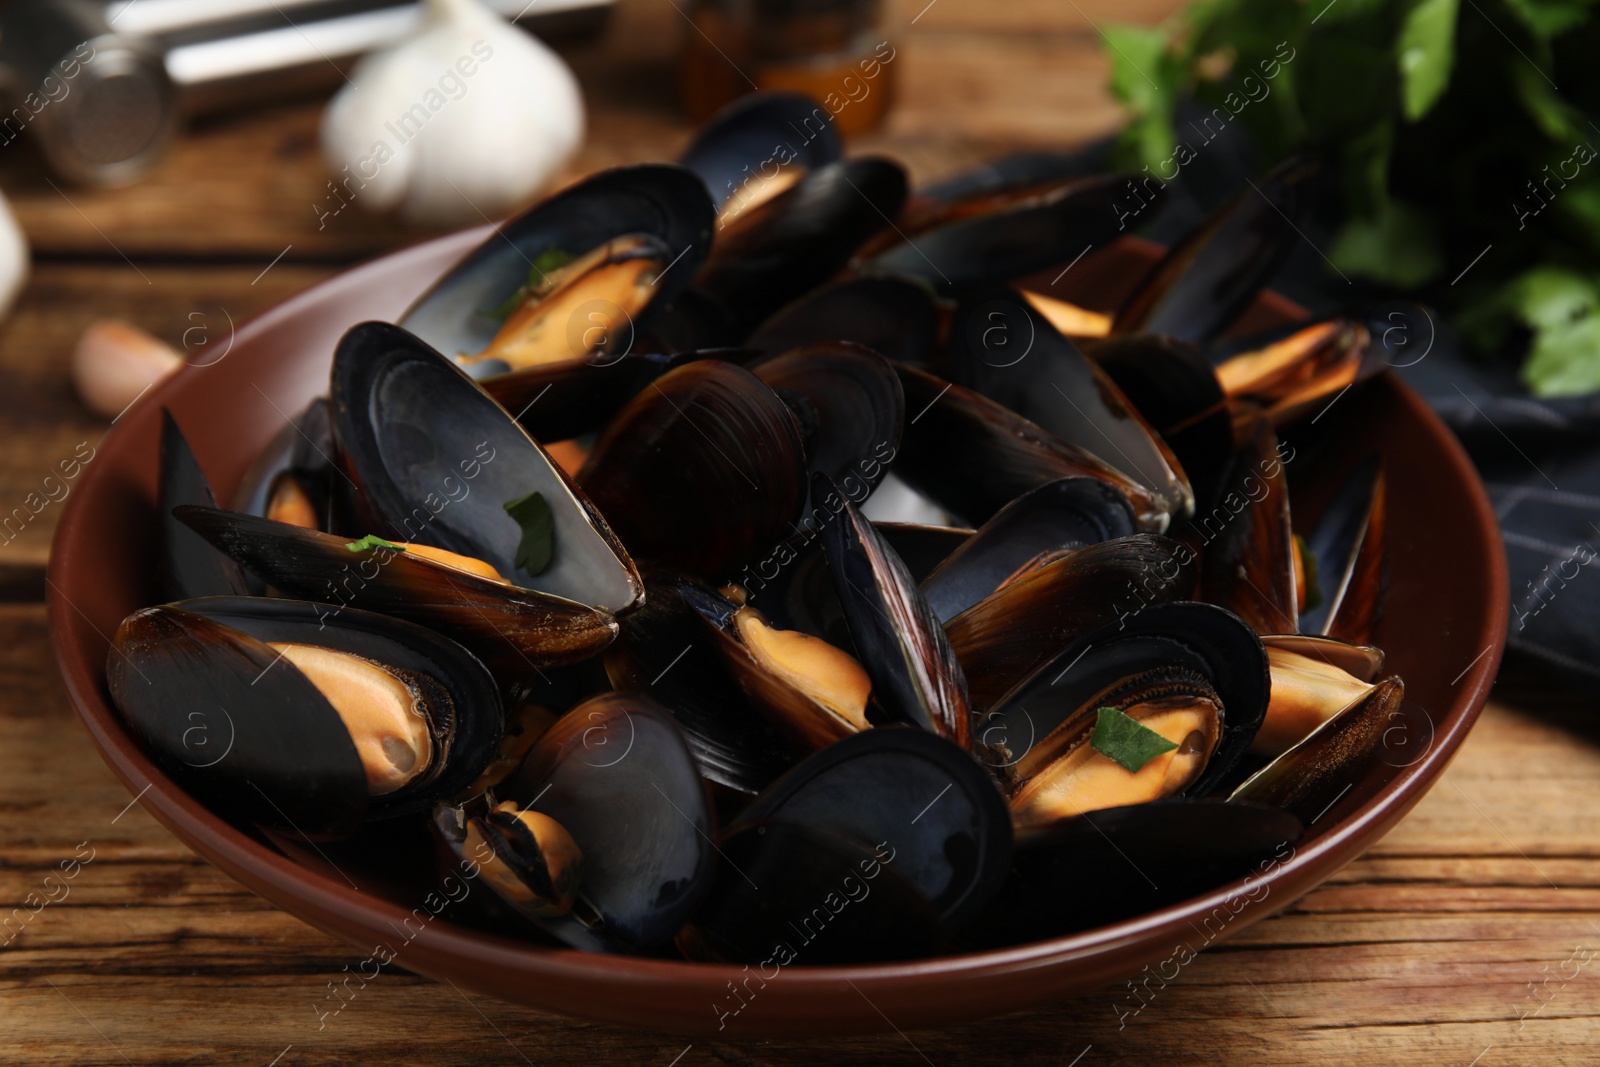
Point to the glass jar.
(831, 50)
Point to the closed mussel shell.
(616, 773)
(927, 807)
(849, 405)
(706, 439)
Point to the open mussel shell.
(1034, 529)
(791, 893)
(972, 456)
(706, 439)
(210, 687)
(664, 648)
(1003, 348)
(1000, 234)
(812, 692)
(1348, 546)
(510, 628)
(1209, 277)
(1313, 775)
(294, 479)
(1163, 651)
(616, 774)
(921, 547)
(747, 151)
(189, 567)
(899, 640)
(1313, 680)
(1105, 866)
(849, 405)
(1172, 386)
(435, 460)
(771, 253)
(1008, 634)
(896, 317)
(912, 796)
(1249, 556)
(666, 204)
(1293, 370)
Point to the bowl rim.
(565, 975)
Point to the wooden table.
(1467, 937)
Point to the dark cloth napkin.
(1540, 459)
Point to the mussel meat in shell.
(305, 726)
(655, 213)
(945, 633)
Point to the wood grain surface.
(1469, 936)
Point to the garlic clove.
(13, 257)
(115, 361)
(463, 121)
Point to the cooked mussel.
(746, 153)
(301, 723)
(708, 438)
(901, 644)
(813, 692)
(973, 456)
(1000, 234)
(436, 461)
(1008, 634)
(189, 567)
(1036, 528)
(510, 627)
(601, 246)
(1001, 347)
(1202, 284)
(769, 254)
(1192, 677)
(642, 873)
(895, 317)
(848, 404)
(917, 797)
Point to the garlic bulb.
(464, 120)
(13, 257)
(115, 361)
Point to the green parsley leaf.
(1125, 742)
(532, 513)
(544, 264)
(1427, 52)
(371, 541)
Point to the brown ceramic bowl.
(1444, 630)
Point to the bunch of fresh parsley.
(1462, 137)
